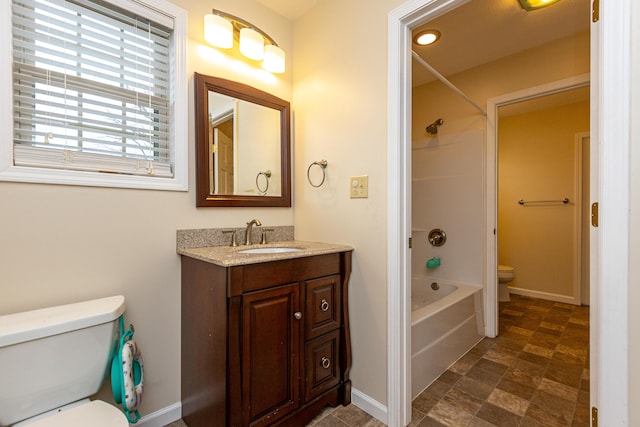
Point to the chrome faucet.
(247, 233)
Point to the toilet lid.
(95, 413)
(504, 268)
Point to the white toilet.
(505, 276)
(53, 359)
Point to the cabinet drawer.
(322, 364)
(322, 306)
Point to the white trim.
(180, 181)
(400, 22)
(578, 217)
(162, 417)
(491, 190)
(614, 84)
(369, 405)
(567, 299)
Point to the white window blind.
(91, 88)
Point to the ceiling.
(479, 31)
(482, 31)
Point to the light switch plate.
(359, 187)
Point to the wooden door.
(270, 354)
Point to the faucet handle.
(234, 241)
(264, 235)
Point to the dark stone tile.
(425, 402)
(437, 389)
(485, 377)
(486, 343)
(351, 415)
(449, 415)
(529, 324)
(474, 387)
(530, 422)
(516, 388)
(550, 410)
(534, 358)
(449, 377)
(582, 416)
(509, 344)
(522, 377)
(564, 373)
(430, 422)
(463, 401)
(550, 331)
(479, 422)
(584, 397)
(331, 421)
(498, 416)
(543, 339)
(491, 366)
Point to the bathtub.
(445, 324)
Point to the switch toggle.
(359, 187)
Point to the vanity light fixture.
(220, 29)
(427, 37)
(536, 4)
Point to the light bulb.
(273, 59)
(218, 31)
(251, 44)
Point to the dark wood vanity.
(265, 343)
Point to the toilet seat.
(95, 413)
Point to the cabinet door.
(270, 358)
(323, 305)
(322, 364)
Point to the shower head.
(432, 129)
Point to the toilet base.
(503, 292)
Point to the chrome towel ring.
(267, 175)
(323, 165)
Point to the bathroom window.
(98, 93)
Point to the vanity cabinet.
(266, 343)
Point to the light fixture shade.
(251, 44)
(536, 4)
(273, 59)
(218, 31)
(426, 37)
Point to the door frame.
(611, 116)
(491, 188)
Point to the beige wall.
(537, 161)
(62, 244)
(340, 107)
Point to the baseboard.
(544, 295)
(369, 405)
(161, 417)
(171, 413)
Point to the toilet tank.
(55, 356)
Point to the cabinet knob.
(324, 305)
(297, 315)
(325, 363)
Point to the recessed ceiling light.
(424, 38)
(536, 4)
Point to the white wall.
(447, 193)
(62, 244)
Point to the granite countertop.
(227, 256)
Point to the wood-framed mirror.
(243, 145)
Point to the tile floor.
(534, 374)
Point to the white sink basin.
(269, 250)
